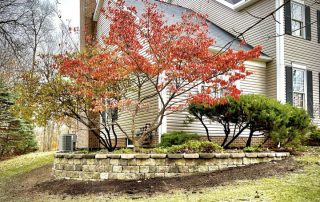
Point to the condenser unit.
(67, 142)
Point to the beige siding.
(253, 84)
(149, 112)
(304, 52)
(230, 20)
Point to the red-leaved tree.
(143, 49)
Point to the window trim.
(303, 30)
(300, 67)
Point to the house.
(288, 70)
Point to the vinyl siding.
(263, 34)
(253, 84)
(304, 52)
(145, 115)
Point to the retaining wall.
(143, 166)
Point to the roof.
(173, 14)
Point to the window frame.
(304, 69)
(303, 22)
(129, 145)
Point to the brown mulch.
(151, 186)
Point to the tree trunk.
(250, 137)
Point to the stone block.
(211, 162)
(78, 156)
(86, 175)
(152, 169)
(117, 169)
(70, 161)
(117, 176)
(123, 162)
(173, 169)
(251, 155)
(146, 162)
(91, 161)
(237, 161)
(78, 167)
(58, 166)
(172, 175)
(180, 162)
(175, 156)
(142, 156)
(77, 161)
(89, 168)
(114, 162)
(131, 162)
(193, 169)
(159, 174)
(68, 156)
(160, 162)
(158, 156)
(271, 154)
(203, 169)
(101, 156)
(68, 167)
(104, 162)
(114, 156)
(183, 169)
(130, 169)
(237, 155)
(282, 154)
(222, 155)
(149, 175)
(104, 176)
(206, 155)
(262, 155)
(144, 169)
(127, 156)
(213, 168)
(89, 156)
(190, 162)
(162, 169)
(191, 156)
(59, 155)
(246, 161)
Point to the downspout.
(280, 81)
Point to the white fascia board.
(97, 10)
(259, 59)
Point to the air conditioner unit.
(67, 142)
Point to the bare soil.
(158, 185)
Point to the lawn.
(23, 164)
(300, 185)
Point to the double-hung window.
(297, 19)
(299, 87)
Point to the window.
(299, 89)
(297, 19)
(129, 143)
(215, 93)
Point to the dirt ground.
(40, 181)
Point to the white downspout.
(281, 92)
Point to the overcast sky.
(70, 10)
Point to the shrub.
(177, 138)
(281, 122)
(123, 151)
(314, 136)
(193, 146)
(252, 149)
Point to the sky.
(70, 10)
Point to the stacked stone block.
(144, 166)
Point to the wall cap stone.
(128, 156)
(237, 155)
(142, 156)
(114, 156)
(175, 156)
(158, 156)
(191, 156)
(101, 156)
(206, 155)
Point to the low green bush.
(314, 137)
(252, 149)
(123, 151)
(194, 146)
(177, 138)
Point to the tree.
(16, 135)
(170, 57)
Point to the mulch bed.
(167, 185)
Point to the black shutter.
(308, 23)
(318, 19)
(287, 14)
(309, 93)
(289, 85)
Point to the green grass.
(23, 164)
